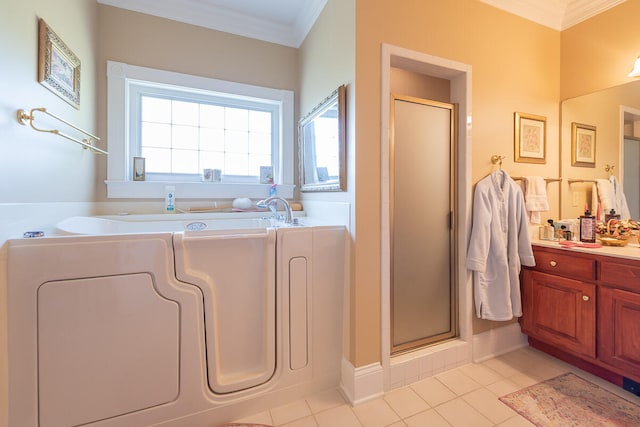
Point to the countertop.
(631, 251)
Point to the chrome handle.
(553, 263)
(585, 298)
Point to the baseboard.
(362, 384)
(498, 341)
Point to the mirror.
(615, 114)
(322, 145)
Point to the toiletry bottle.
(587, 227)
(611, 215)
(551, 230)
(170, 196)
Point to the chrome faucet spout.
(272, 201)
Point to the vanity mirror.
(615, 113)
(322, 145)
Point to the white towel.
(535, 197)
(605, 196)
(595, 202)
(619, 199)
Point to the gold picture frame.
(58, 66)
(530, 138)
(583, 145)
(139, 173)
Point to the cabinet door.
(619, 330)
(559, 311)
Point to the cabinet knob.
(585, 298)
(553, 263)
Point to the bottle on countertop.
(170, 198)
(548, 232)
(587, 227)
(611, 215)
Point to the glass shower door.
(423, 297)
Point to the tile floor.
(465, 396)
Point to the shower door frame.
(453, 331)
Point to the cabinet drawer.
(567, 265)
(624, 275)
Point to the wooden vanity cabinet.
(559, 311)
(585, 309)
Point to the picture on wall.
(530, 138)
(58, 66)
(139, 169)
(583, 145)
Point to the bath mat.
(568, 400)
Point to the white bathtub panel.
(294, 246)
(106, 346)
(236, 273)
(298, 307)
(32, 262)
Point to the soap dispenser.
(587, 227)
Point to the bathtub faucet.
(271, 201)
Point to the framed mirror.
(322, 145)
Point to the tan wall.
(516, 67)
(38, 167)
(148, 41)
(599, 53)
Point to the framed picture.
(138, 169)
(58, 66)
(583, 145)
(530, 138)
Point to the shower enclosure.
(422, 181)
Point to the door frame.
(459, 75)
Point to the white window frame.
(119, 182)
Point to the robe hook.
(496, 159)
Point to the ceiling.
(287, 22)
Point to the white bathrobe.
(499, 245)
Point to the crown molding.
(556, 14)
(206, 15)
(581, 10)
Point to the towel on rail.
(611, 196)
(535, 197)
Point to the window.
(182, 124)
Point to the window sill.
(192, 190)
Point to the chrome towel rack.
(87, 143)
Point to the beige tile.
(481, 374)
(325, 400)
(309, 421)
(485, 402)
(457, 382)
(375, 413)
(291, 412)
(340, 416)
(261, 418)
(524, 380)
(501, 367)
(427, 418)
(405, 402)
(503, 387)
(459, 413)
(433, 391)
(398, 424)
(516, 422)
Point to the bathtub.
(192, 320)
